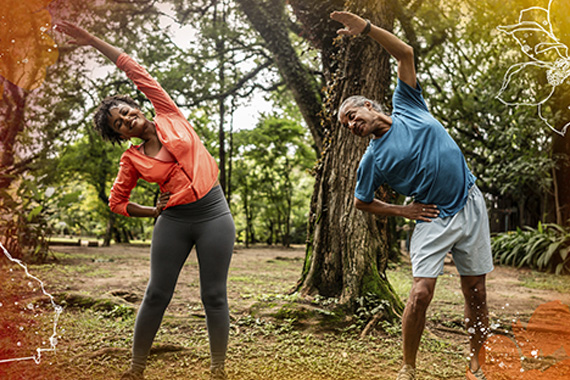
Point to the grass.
(68, 270)
(247, 279)
(546, 281)
(400, 278)
(274, 335)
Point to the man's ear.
(368, 105)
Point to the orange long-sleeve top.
(194, 171)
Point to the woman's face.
(127, 121)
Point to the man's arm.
(404, 53)
(413, 211)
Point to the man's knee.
(475, 291)
(420, 296)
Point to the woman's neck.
(152, 143)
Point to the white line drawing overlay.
(57, 311)
(549, 59)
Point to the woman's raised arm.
(82, 37)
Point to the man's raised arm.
(404, 53)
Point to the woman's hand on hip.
(161, 203)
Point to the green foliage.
(367, 307)
(119, 312)
(271, 181)
(25, 222)
(545, 248)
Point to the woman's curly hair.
(103, 113)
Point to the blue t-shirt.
(416, 157)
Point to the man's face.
(360, 120)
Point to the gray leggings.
(208, 224)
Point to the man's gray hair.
(358, 101)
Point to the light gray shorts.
(465, 235)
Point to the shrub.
(545, 248)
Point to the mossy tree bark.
(347, 250)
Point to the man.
(413, 153)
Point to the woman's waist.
(189, 205)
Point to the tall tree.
(271, 21)
(560, 18)
(223, 63)
(12, 122)
(347, 250)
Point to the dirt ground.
(274, 334)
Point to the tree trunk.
(561, 148)
(101, 187)
(230, 154)
(109, 230)
(248, 221)
(12, 122)
(220, 50)
(348, 249)
(12, 106)
(560, 17)
(287, 236)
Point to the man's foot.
(218, 373)
(407, 373)
(132, 375)
(477, 375)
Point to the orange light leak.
(25, 48)
(539, 351)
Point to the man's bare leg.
(413, 321)
(476, 315)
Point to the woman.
(191, 210)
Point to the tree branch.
(237, 86)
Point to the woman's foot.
(218, 373)
(131, 374)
